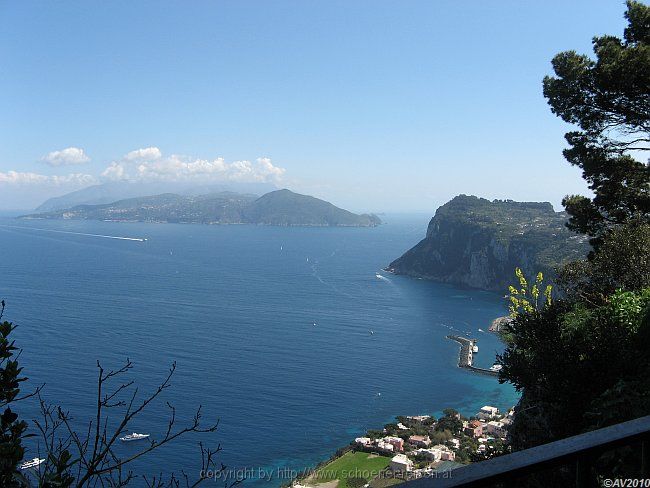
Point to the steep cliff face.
(477, 243)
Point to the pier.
(465, 356)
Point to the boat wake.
(381, 277)
(122, 238)
(316, 275)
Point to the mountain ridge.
(278, 208)
(114, 191)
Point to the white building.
(401, 464)
(446, 454)
(496, 428)
(385, 446)
(363, 441)
(419, 418)
(487, 412)
(432, 454)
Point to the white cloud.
(266, 168)
(31, 179)
(115, 171)
(144, 154)
(67, 156)
(149, 165)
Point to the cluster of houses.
(418, 445)
(487, 425)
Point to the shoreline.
(412, 447)
(465, 361)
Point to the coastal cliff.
(478, 243)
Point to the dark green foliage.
(58, 474)
(609, 100)
(450, 422)
(559, 352)
(439, 436)
(581, 362)
(12, 429)
(375, 434)
(622, 262)
(281, 207)
(494, 448)
(450, 412)
(357, 482)
(598, 330)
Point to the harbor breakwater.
(465, 356)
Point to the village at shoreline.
(418, 446)
(413, 447)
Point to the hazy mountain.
(284, 207)
(475, 242)
(281, 207)
(119, 190)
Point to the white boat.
(34, 463)
(133, 437)
(475, 349)
(496, 367)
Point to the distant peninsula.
(280, 208)
(478, 243)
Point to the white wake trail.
(137, 239)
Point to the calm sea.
(292, 337)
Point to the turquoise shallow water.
(235, 306)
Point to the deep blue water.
(235, 306)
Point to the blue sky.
(373, 105)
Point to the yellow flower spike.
(518, 298)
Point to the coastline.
(412, 447)
(314, 476)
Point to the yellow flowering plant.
(526, 298)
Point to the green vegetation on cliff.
(475, 242)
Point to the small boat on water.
(496, 368)
(133, 437)
(474, 349)
(34, 463)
